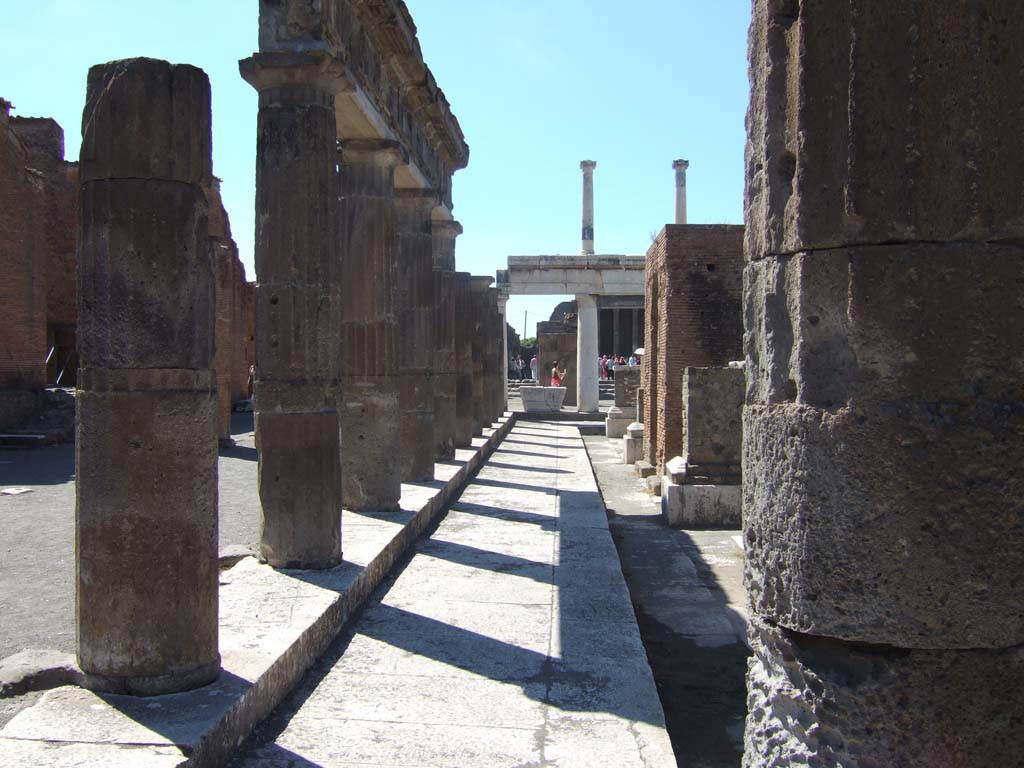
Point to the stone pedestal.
(587, 384)
(370, 417)
(618, 419)
(146, 445)
(444, 234)
(689, 504)
(885, 406)
(464, 329)
(415, 301)
(633, 443)
(297, 308)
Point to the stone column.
(416, 333)
(146, 442)
(680, 167)
(637, 341)
(297, 309)
(587, 389)
(883, 433)
(370, 449)
(478, 286)
(615, 331)
(493, 358)
(503, 311)
(588, 166)
(445, 352)
(464, 360)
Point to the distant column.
(416, 333)
(503, 310)
(445, 352)
(616, 340)
(680, 167)
(370, 413)
(464, 361)
(588, 166)
(587, 389)
(146, 447)
(296, 310)
(478, 285)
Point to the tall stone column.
(370, 415)
(493, 357)
(297, 306)
(416, 302)
(616, 339)
(884, 417)
(503, 311)
(587, 388)
(478, 285)
(146, 443)
(588, 166)
(464, 330)
(445, 352)
(680, 167)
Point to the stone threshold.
(274, 624)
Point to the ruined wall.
(557, 341)
(22, 277)
(713, 424)
(627, 380)
(231, 329)
(695, 282)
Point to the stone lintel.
(288, 70)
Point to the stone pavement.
(37, 536)
(687, 589)
(508, 639)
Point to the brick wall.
(22, 276)
(693, 318)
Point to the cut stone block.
(542, 399)
(696, 506)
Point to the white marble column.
(680, 167)
(587, 390)
(588, 166)
(503, 310)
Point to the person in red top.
(556, 375)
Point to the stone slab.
(542, 399)
(696, 506)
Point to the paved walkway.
(508, 639)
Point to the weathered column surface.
(493, 358)
(445, 353)
(146, 445)
(370, 417)
(587, 387)
(884, 418)
(296, 309)
(464, 360)
(680, 167)
(415, 300)
(588, 166)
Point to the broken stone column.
(297, 309)
(588, 166)
(702, 486)
(503, 320)
(445, 356)
(884, 418)
(680, 166)
(624, 412)
(370, 416)
(415, 299)
(478, 285)
(146, 443)
(464, 330)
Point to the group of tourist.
(606, 364)
(520, 370)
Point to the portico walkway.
(508, 639)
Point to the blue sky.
(537, 85)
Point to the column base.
(153, 685)
(696, 506)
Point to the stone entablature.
(604, 275)
(388, 91)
